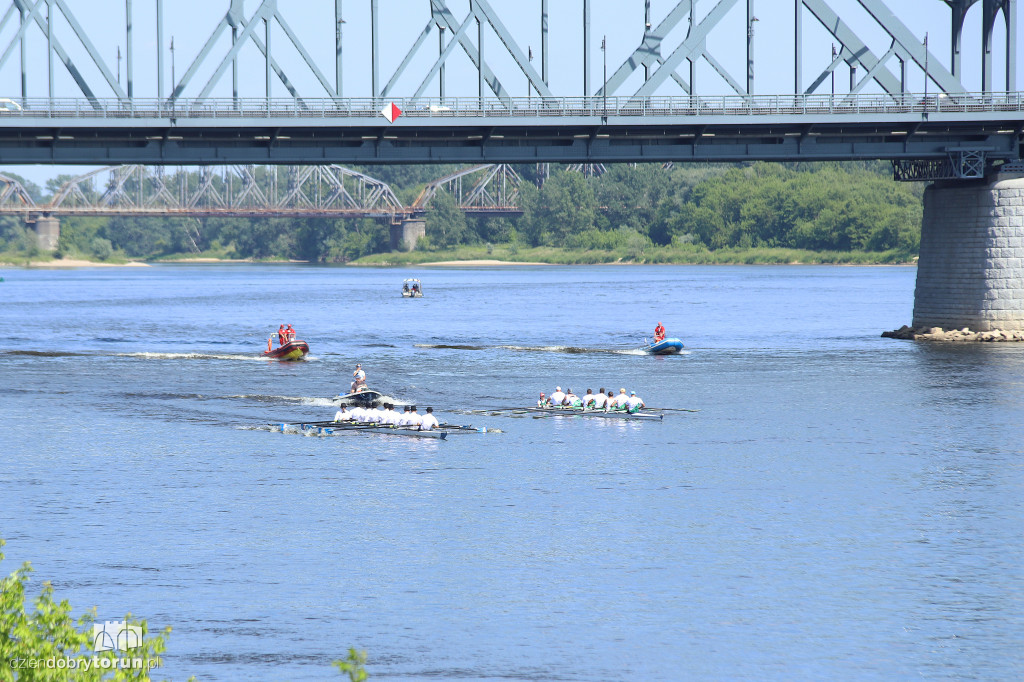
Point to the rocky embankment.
(940, 334)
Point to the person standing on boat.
(360, 379)
(429, 420)
(633, 403)
(290, 333)
(659, 333)
(600, 400)
(557, 397)
(282, 336)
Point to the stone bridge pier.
(970, 271)
(47, 229)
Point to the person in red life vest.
(290, 333)
(659, 333)
(282, 336)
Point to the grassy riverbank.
(681, 255)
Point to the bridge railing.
(510, 107)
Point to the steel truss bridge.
(327, 191)
(942, 132)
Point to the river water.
(841, 506)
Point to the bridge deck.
(468, 130)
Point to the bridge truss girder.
(486, 188)
(57, 25)
(229, 190)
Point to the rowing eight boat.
(560, 411)
(330, 428)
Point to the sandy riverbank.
(478, 263)
(73, 263)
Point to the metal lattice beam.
(227, 191)
(487, 187)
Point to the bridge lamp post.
(174, 81)
(604, 64)
(529, 88)
(926, 70)
(337, 66)
(834, 55)
(118, 64)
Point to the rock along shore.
(939, 334)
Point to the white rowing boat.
(612, 414)
(332, 428)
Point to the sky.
(621, 22)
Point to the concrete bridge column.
(405, 235)
(970, 272)
(47, 232)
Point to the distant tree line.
(849, 206)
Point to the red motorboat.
(292, 350)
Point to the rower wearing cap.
(557, 397)
(429, 420)
(415, 418)
(634, 404)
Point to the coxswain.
(633, 403)
(599, 400)
(343, 415)
(571, 399)
(542, 401)
(429, 420)
(588, 399)
(659, 333)
(557, 397)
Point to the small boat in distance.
(664, 347)
(292, 350)
(411, 288)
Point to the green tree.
(446, 223)
(48, 632)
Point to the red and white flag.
(391, 112)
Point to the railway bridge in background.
(647, 108)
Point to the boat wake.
(299, 400)
(194, 356)
(571, 350)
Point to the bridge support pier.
(47, 229)
(405, 235)
(970, 272)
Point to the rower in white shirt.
(588, 399)
(634, 403)
(415, 418)
(557, 397)
(620, 399)
(389, 416)
(429, 420)
(600, 399)
(342, 415)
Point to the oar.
(469, 429)
(672, 409)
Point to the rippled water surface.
(840, 506)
